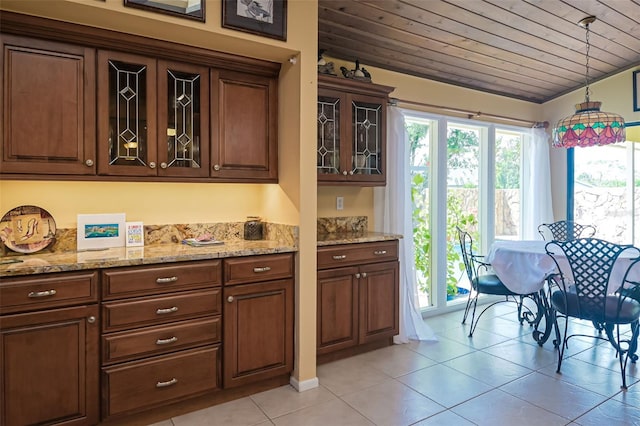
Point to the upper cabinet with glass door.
(152, 117)
(351, 132)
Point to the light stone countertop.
(41, 263)
(48, 262)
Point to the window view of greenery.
(462, 197)
(507, 185)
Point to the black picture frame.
(191, 10)
(247, 16)
(636, 90)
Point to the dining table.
(524, 266)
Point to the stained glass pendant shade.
(589, 126)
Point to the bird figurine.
(357, 73)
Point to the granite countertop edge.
(47, 262)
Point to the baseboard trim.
(305, 384)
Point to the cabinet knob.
(351, 172)
(152, 165)
(344, 173)
(163, 165)
(91, 319)
(216, 167)
(364, 275)
(358, 275)
(230, 299)
(89, 162)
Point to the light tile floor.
(500, 376)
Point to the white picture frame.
(135, 234)
(101, 231)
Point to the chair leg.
(466, 309)
(474, 321)
(563, 342)
(623, 354)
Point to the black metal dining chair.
(484, 281)
(586, 291)
(563, 230)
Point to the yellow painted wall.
(616, 95)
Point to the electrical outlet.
(339, 203)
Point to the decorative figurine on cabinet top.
(325, 67)
(357, 73)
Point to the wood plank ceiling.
(525, 49)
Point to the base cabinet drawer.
(153, 382)
(149, 341)
(120, 315)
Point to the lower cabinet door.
(258, 331)
(139, 385)
(379, 304)
(49, 367)
(337, 316)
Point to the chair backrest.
(591, 262)
(563, 230)
(466, 249)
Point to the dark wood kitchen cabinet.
(358, 291)
(153, 117)
(258, 318)
(115, 107)
(161, 334)
(245, 120)
(49, 339)
(352, 131)
(48, 107)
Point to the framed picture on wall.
(267, 18)
(192, 9)
(636, 90)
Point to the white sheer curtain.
(538, 195)
(392, 208)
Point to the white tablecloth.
(523, 265)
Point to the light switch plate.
(339, 203)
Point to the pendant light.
(588, 126)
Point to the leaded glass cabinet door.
(183, 126)
(368, 118)
(331, 136)
(126, 115)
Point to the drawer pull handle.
(166, 280)
(167, 310)
(340, 257)
(34, 294)
(168, 383)
(166, 341)
(380, 252)
(262, 269)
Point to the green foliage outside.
(458, 144)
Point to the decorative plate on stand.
(27, 229)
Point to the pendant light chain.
(586, 75)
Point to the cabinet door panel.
(258, 331)
(246, 125)
(337, 309)
(331, 134)
(126, 115)
(48, 107)
(368, 147)
(183, 119)
(378, 301)
(49, 367)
